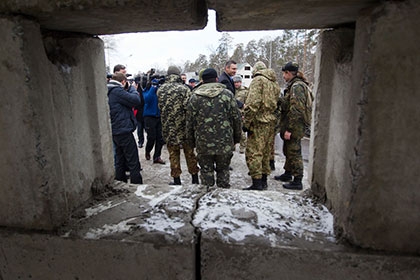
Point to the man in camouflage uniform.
(213, 127)
(241, 93)
(173, 96)
(259, 123)
(292, 126)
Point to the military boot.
(285, 177)
(256, 185)
(177, 181)
(296, 184)
(264, 181)
(272, 165)
(195, 179)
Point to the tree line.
(293, 45)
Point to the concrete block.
(110, 16)
(139, 232)
(384, 202)
(56, 138)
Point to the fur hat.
(237, 78)
(173, 70)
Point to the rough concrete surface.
(104, 17)
(56, 137)
(157, 231)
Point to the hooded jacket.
(173, 96)
(213, 120)
(121, 103)
(261, 102)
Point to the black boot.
(177, 181)
(272, 165)
(285, 177)
(264, 182)
(195, 179)
(296, 184)
(256, 185)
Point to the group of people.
(209, 120)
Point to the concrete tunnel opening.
(148, 231)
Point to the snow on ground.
(234, 215)
(95, 210)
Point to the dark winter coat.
(121, 103)
(227, 81)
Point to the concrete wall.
(329, 170)
(41, 256)
(385, 199)
(366, 147)
(55, 135)
(226, 261)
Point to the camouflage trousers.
(292, 150)
(272, 152)
(242, 144)
(258, 150)
(175, 159)
(218, 163)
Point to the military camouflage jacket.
(263, 96)
(241, 94)
(213, 120)
(172, 100)
(293, 107)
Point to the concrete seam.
(197, 233)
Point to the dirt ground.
(239, 178)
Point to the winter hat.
(258, 66)
(209, 73)
(173, 70)
(200, 75)
(290, 66)
(237, 78)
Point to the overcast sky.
(142, 51)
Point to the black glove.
(245, 129)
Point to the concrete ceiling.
(122, 16)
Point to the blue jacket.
(151, 108)
(121, 103)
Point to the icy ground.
(274, 217)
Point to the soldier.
(241, 95)
(259, 123)
(292, 126)
(213, 127)
(173, 96)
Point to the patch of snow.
(161, 222)
(92, 211)
(106, 229)
(236, 215)
(158, 197)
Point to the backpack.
(307, 114)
